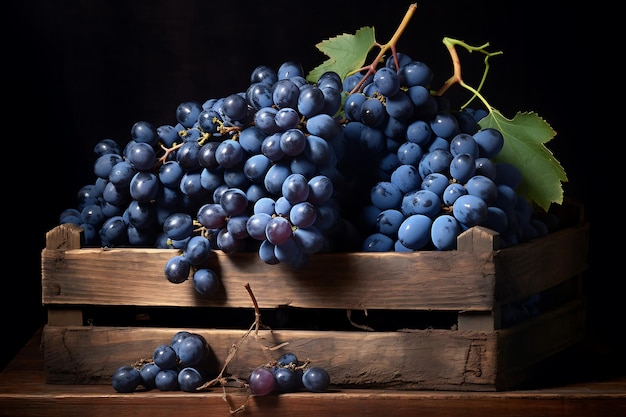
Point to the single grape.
(126, 379)
(316, 379)
(189, 379)
(164, 356)
(262, 381)
(166, 380)
(206, 281)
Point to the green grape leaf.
(346, 53)
(525, 137)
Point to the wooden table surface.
(23, 392)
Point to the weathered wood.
(24, 393)
(422, 359)
(488, 348)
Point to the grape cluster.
(431, 171)
(180, 365)
(374, 162)
(288, 374)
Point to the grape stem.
(456, 77)
(390, 45)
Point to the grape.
(178, 226)
(310, 100)
(286, 380)
(197, 250)
(321, 189)
(387, 81)
(106, 146)
(289, 69)
(177, 269)
(316, 379)
(414, 232)
(187, 113)
(295, 188)
(148, 374)
(399, 106)
(122, 173)
(142, 156)
(234, 201)
(421, 201)
(166, 380)
(105, 163)
(415, 73)
(263, 74)
(406, 177)
(377, 242)
(278, 230)
(189, 379)
(287, 118)
(303, 214)
(388, 222)
(164, 356)
(206, 281)
(490, 142)
(470, 210)
(373, 112)
(262, 381)
(462, 167)
(385, 195)
(482, 187)
(444, 125)
(126, 379)
(144, 186)
(292, 142)
(235, 107)
(192, 349)
(444, 232)
(285, 94)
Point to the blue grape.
(444, 231)
(122, 173)
(421, 201)
(285, 94)
(164, 356)
(444, 125)
(419, 132)
(415, 73)
(278, 230)
(292, 142)
(452, 192)
(377, 242)
(388, 222)
(197, 250)
(406, 177)
(187, 155)
(189, 379)
(470, 210)
(310, 100)
(144, 186)
(435, 182)
(316, 379)
(265, 120)
(106, 146)
(105, 163)
(309, 239)
(286, 379)
(263, 74)
(295, 188)
(289, 69)
(387, 81)
(399, 106)
(142, 156)
(303, 214)
(148, 374)
(178, 226)
(255, 168)
(490, 142)
(386, 195)
(192, 350)
(187, 113)
(373, 112)
(414, 232)
(464, 143)
(462, 167)
(482, 187)
(177, 269)
(234, 201)
(410, 153)
(352, 106)
(206, 281)
(166, 380)
(126, 379)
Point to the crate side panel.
(540, 264)
(422, 280)
(424, 359)
(522, 348)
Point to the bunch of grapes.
(288, 168)
(288, 374)
(180, 365)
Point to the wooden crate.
(443, 318)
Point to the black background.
(77, 72)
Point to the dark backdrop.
(79, 72)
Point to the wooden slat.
(24, 393)
(426, 359)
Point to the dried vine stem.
(224, 380)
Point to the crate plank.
(426, 359)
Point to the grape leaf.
(525, 137)
(346, 53)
